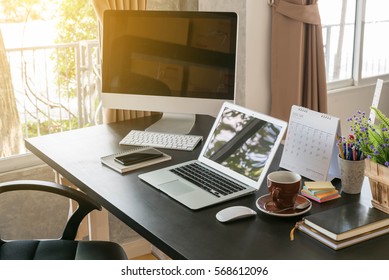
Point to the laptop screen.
(243, 142)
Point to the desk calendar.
(310, 145)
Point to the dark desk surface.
(178, 231)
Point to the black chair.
(66, 247)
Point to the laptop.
(233, 162)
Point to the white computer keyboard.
(161, 140)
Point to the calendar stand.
(310, 145)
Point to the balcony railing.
(339, 55)
(56, 87)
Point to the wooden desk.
(178, 231)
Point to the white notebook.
(111, 163)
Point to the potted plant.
(373, 140)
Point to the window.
(355, 43)
(54, 69)
(49, 65)
(375, 44)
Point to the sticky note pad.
(325, 185)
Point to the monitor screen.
(170, 62)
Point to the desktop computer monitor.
(177, 63)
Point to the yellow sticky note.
(319, 185)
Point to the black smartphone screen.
(138, 157)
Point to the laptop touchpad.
(176, 188)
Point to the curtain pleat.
(297, 59)
(114, 115)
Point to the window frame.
(18, 162)
(27, 159)
(356, 79)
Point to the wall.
(254, 63)
(345, 102)
(253, 67)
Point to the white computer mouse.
(234, 213)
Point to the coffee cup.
(284, 186)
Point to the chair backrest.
(65, 247)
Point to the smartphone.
(138, 157)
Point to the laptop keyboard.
(207, 179)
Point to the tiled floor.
(146, 257)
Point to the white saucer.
(265, 205)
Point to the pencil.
(341, 152)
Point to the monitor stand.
(174, 123)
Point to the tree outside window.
(33, 98)
(23, 91)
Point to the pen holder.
(352, 173)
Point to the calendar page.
(310, 144)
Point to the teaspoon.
(300, 206)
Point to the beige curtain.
(297, 66)
(112, 115)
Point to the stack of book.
(138, 157)
(320, 191)
(345, 225)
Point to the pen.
(341, 152)
(346, 150)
